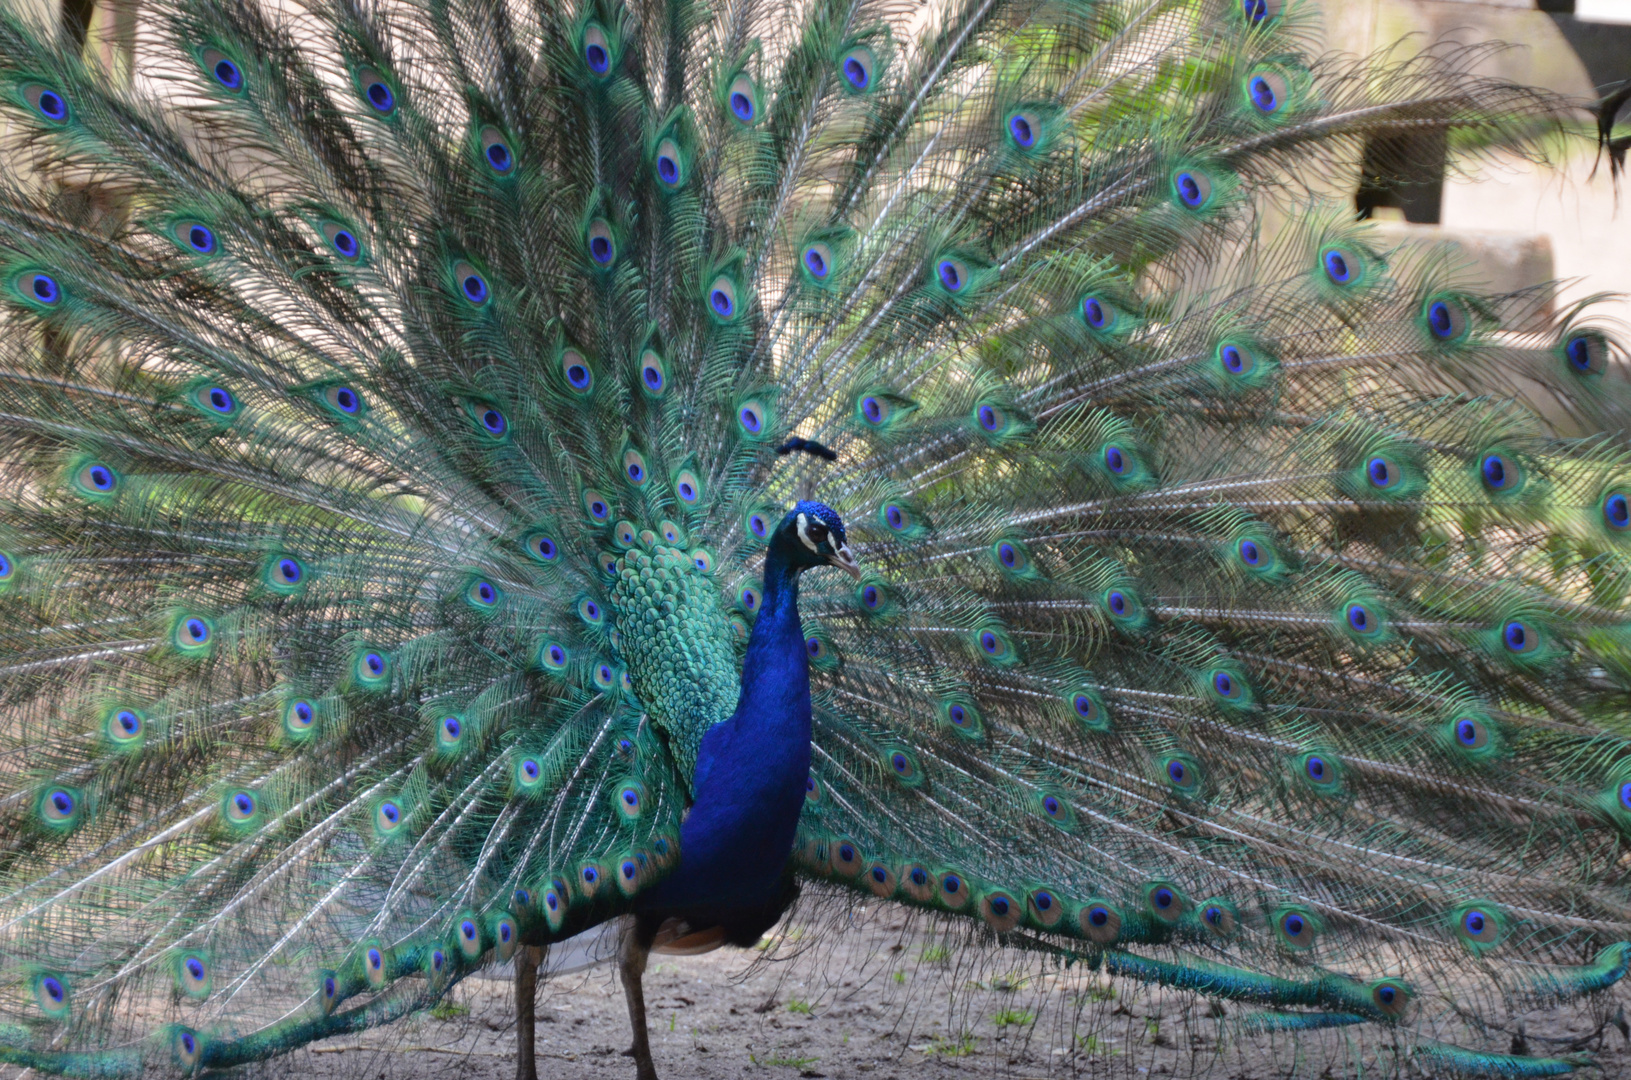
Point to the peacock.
(474, 472)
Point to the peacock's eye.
(342, 240)
(602, 245)
(495, 150)
(743, 100)
(670, 168)
(722, 297)
(1193, 188)
(223, 69)
(817, 260)
(597, 53)
(196, 236)
(1024, 128)
(1341, 267)
(47, 102)
(472, 286)
(858, 67)
(377, 91)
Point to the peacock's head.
(812, 534)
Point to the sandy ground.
(890, 997)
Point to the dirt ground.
(887, 996)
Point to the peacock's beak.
(846, 562)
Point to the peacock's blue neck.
(750, 776)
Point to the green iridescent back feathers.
(389, 396)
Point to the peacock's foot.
(632, 967)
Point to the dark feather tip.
(808, 446)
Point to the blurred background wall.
(1519, 224)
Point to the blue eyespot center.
(228, 75)
(951, 276)
(1440, 320)
(380, 97)
(51, 105)
(1380, 473)
(475, 288)
(724, 306)
(44, 288)
(1359, 618)
(1578, 350)
(814, 262)
(1250, 553)
(1617, 510)
(1020, 128)
(1189, 190)
(856, 73)
(597, 58)
(1263, 95)
(668, 170)
(742, 105)
(1337, 267)
(200, 239)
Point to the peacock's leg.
(527, 960)
(632, 966)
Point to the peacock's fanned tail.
(389, 396)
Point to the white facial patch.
(804, 537)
